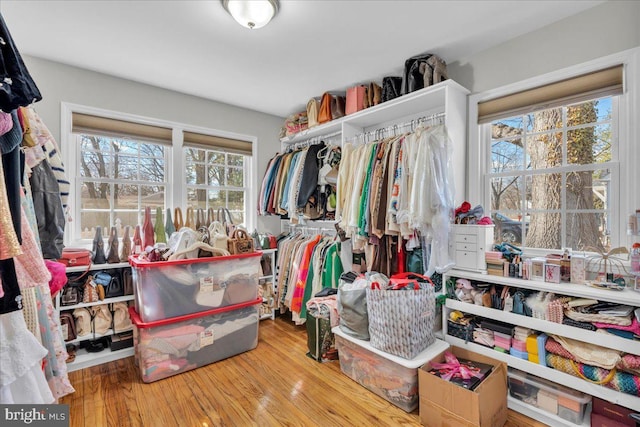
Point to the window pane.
(152, 169)
(92, 220)
(127, 147)
(95, 143)
(216, 176)
(507, 155)
(196, 198)
(94, 195)
(588, 231)
(583, 113)
(195, 173)
(544, 151)
(96, 165)
(126, 196)
(236, 204)
(127, 218)
(152, 196)
(194, 155)
(151, 150)
(126, 167)
(588, 189)
(507, 228)
(235, 160)
(215, 157)
(506, 193)
(217, 199)
(544, 231)
(235, 177)
(589, 145)
(543, 192)
(541, 121)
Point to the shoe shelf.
(604, 340)
(102, 302)
(91, 336)
(623, 399)
(84, 359)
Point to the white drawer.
(468, 238)
(464, 246)
(466, 259)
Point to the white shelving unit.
(628, 346)
(545, 417)
(83, 358)
(272, 278)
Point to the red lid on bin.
(134, 261)
(135, 317)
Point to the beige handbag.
(313, 106)
(121, 320)
(218, 236)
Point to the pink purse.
(355, 99)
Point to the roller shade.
(198, 140)
(95, 125)
(597, 84)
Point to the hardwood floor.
(273, 385)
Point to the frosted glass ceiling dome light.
(252, 14)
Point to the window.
(552, 175)
(216, 179)
(123, 164)
(117, 179)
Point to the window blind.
(95, 125)
(199, 140)
(593, 85)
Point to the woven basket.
(401, 322)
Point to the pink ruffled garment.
(58, 276)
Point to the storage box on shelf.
(443, 403)
(168, 289)
(627, 297)
(83, 358)
(390, 377)
(171, 346)
(562, 402)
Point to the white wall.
(62, 83)
(611, 27)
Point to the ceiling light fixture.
(252, 14)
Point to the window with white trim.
(123, 164)
(553, 176)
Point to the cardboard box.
(444, 404)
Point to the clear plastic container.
(548, 396)
(168, 289)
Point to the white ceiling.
(195, 47)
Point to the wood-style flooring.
(274, 385)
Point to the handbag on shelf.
(169, 228)
(137, 241)
(331, 107)
(147, 229)
(127, 281)
(90, 291)
(158, 228)
(224, 217)
(112, 256)
(190, 221)
(313, 107)
(355, 99)
(218, 235)
(178, 222)
(240, 243)
(68, 326)
(200, 219)
(374, 94)
(391, 88)
(98, 248)
(111, 284)
(71, 295)
(126, 245)
(73, 257)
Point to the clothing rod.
(314, 140)
(413, 124)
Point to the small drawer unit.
(470, 244)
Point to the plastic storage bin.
(391, 377)
(172, 346)
(169, 289)
(556, 399)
